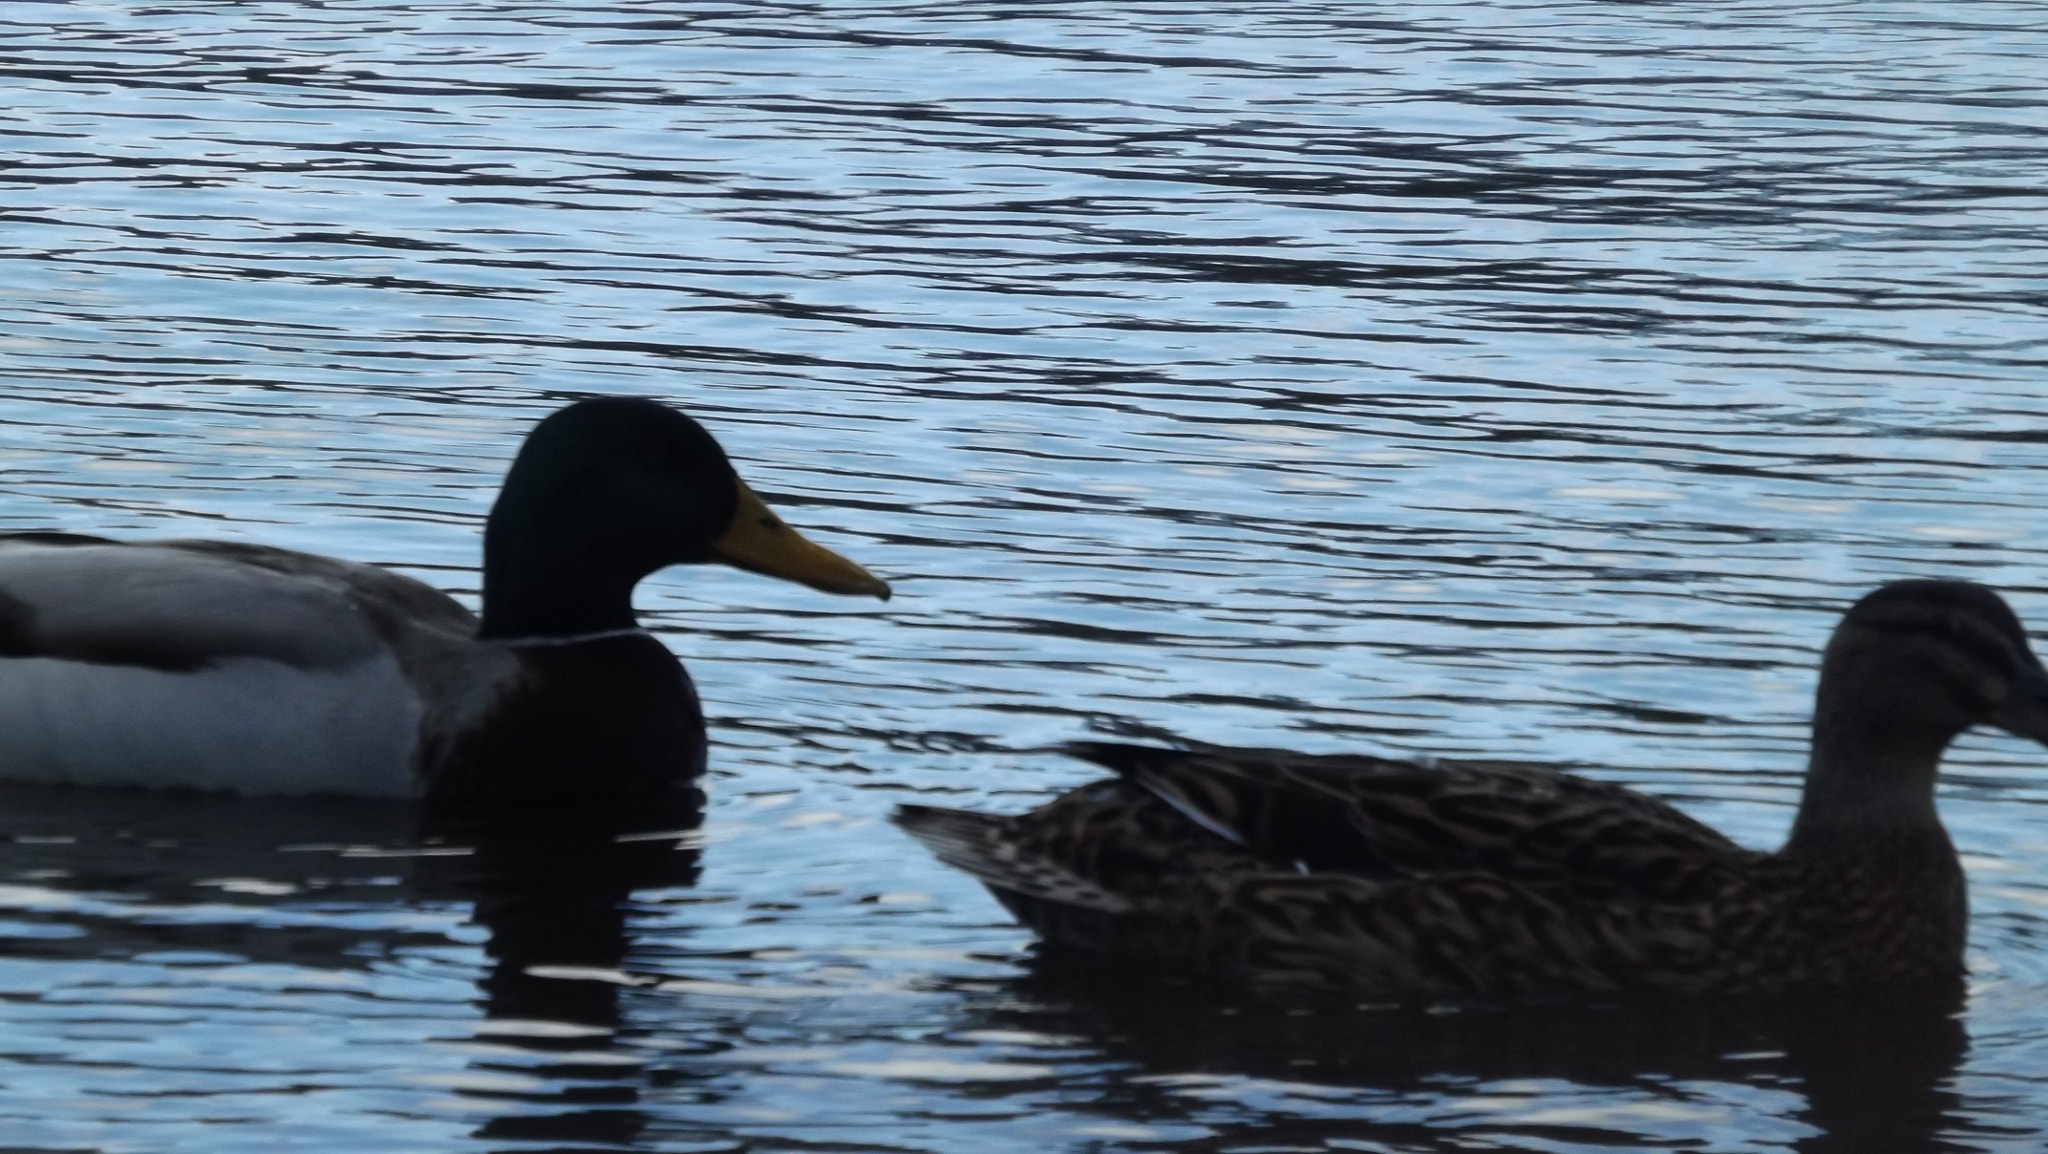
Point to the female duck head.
(1911, 666)
(605, 492)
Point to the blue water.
(1529, 379)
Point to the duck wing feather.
(1385, 819)
(180, 605)
(1368, 873)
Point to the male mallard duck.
(227, 666)
(1463, 878)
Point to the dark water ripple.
(1535, 379)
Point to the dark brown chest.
(611, 717)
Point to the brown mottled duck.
(1474, 878)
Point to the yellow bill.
(760, 542)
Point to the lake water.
(1529, 379)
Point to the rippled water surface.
(1532, 379)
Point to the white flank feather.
(242, 725)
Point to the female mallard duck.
(225, 666)
(1488, 878)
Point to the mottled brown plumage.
(1492, 878)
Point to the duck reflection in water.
(358, 899)
(553, 889)
(1865, 1075)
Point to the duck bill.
(760, 542)
(2024, 712)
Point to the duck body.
(1470, 878)
(243, 668)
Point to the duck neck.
(534, 590)
(1868, 783)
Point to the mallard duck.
(1474, 878)
(219, 665)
